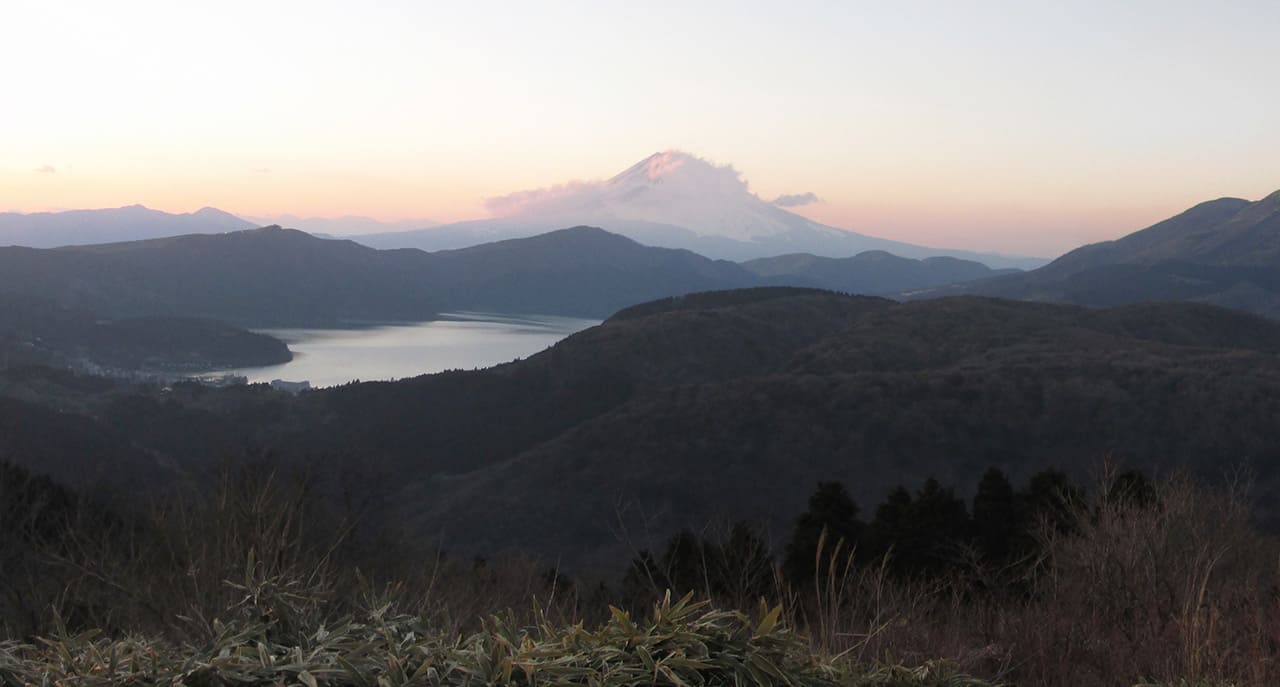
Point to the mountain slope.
(279, 277)
(872, 272)
(1224, 252)
(940, 388)
(328, 227)
(35, 332)
(717, 406)
(669, 199)
(255, 277)
(577, 271)
(132, 223)
(74, 449)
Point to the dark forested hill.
(727, 405)
(456, 421)
(255, 277)
(280, 277)
(73, 448)
(902, 392)
(871, 272)
(1224, 252)
(37, 332)
(578, 271)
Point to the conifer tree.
(833, 511)
(995, 516)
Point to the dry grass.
(1180, 592)
(250, 583)
(684, 643)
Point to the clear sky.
(1025, 127)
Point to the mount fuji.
(673, 200)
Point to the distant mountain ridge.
(274, 277)
(676, 200)
(282, 277)
(708, 408)
(329, 227)
(110, 225)
(1222, 252)
(872, 272)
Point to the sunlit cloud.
(570, 196)
(678, 171)
(795, 200)
(46, 169)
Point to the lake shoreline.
(327, 357)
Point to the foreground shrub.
(1166, 583)
(684, 643)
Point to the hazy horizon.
(993, 127)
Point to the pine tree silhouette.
(832, 510)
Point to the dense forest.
(253, 578)
(34, 331)
(722, 406)
(908, 480)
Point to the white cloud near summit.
(550, 200)
(795, 200)
(667, 175)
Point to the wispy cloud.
(795, 200)
(569, 196)
(46, 169)
(669, 172)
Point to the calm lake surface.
(327, 357)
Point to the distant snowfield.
(329, 357)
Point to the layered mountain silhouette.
(280, 277)
(714, 407)
(1223, 252)
(676, 200)
(36, 332)
(329, 227)
(724, 397)
(132, 223)
(872, 272)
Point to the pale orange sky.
(1019, 127)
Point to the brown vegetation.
(1175, 585)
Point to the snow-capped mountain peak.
(656, 167)
(671, 199)
(685, 174)
(670, 188)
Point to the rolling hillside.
(280, 277)
(872, 272)
(37, 332)
(900, 393)
(730, 405)
(1223, 252)
(273, 277)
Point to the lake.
(328, 357)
